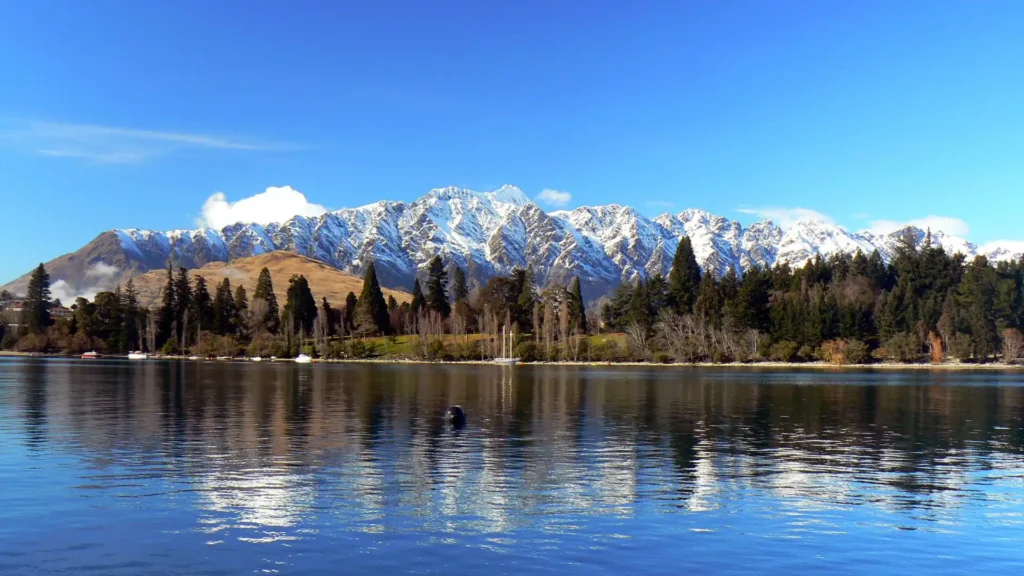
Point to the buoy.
(456, 415)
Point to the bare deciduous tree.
(637, 335)
(1013, 342)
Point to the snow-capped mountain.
(489, 233)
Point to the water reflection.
(291, 455)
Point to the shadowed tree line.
(925, 304)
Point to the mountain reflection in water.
(153, 466)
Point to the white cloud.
(101, 270)
(61, 290)
(276, 204)
(947, 224)
(115, 145)
(785, 217)
(553, 197)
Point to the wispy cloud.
(552, 197)
(947, 224)
(784, 217)
(116, 145)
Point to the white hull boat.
(303, 359)
(137, 356)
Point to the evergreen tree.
(418, 301)
(265, 292)
(351, 304)
(523, 313)
(301, 306)
(576, 309)
(131, 316)
(201, 311)
(372, 312)
(615, 312)
(460, 291)
(639, 305)
(976, 298)
(225, 314)
(392, 303)
(709, 301)
(752, 300)
(168, 310)
(437, 288)
(36, 313)
(684, 279)
(182, 301)
(241, 307)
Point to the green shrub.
(720, 357)
(607, 351)
(435, 349)
(662, 358)
(783, 351)
(902, 347)
(959, 347)
(170, 347)
(857, 352)
(527, 351)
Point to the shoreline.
(772, 365)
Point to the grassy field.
(324, 281)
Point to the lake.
(110, 467)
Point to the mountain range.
(486, 233)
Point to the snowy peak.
(489, 233)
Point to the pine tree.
(639, 305)
(201, 310)
(526, 302)
(576, 310)
(372, 312)
(460, 291)
(131, 315)
(684, 279)
(418, 301)
(301, 306)
(168, 310)
(225, 314)
(437, 288)
(392, 303)
(351, 304)
(709, 301)
(36, 313)
(182, 302)
(241, 307)
(265, 292)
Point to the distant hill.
(324, 280)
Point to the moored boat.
(256, 359)
(137, 356)
(304, 359)
(90, 355)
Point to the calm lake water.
(110, 467)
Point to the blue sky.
(132, 114)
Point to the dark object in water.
(456, 415)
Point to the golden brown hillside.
(323, 280)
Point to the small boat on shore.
(137, 356)
(193, 357)
(506, 346)
(256, 359)
(304, 359)
(90, 355)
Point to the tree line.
(924, 304)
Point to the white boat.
(506, 347)
(137, 355)
(223, 357)
(256, 359)
(303, 359)
(90, 355)
(193, 357)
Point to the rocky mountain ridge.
(489, 233)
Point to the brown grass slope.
(324, 280)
